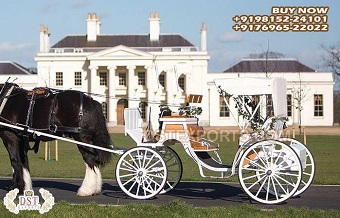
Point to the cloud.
(11, 46)
(230, 37)
(51, 5)
(20, 53)
(80, 4)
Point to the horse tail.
(101, 136)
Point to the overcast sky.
(20, 22)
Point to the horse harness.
(32, 96)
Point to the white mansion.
(151, 69)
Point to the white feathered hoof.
(92, 183)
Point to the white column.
(204, 37)
(93, 78)
(133, 99)
(112, 104)
(169, 87)
(187, 83)
(152, 99)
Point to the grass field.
(174, 209)
(325, 149)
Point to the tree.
(337, 107)
(267, 55)
(299, 96)
(331, 57)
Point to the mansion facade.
(149, 70)
(126, 70)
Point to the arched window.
(162, 79)
(181, 82)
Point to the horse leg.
(92, 183)
(23, 149)
(21, 176)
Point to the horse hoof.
(85, 193)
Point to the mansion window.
(104, 108)
(77, 78)
(318, 106)
(289, 105)
(161, 80)
(181, 82)
(102, 79)
(142, 107)
(269, 105)
(59, 79)
(122, 78)
(141, 78)
(224, 110)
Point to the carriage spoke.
(274, 187)
(253, 176)
(287, 182)
(128, 175)
(283, 189)
(261, 186)
(133, 159)
(255, 163)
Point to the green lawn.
(172, 209)
(325, 149)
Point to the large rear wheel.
(270, 172)
(308, 166)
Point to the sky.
(20, 22)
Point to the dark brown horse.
(64, 113)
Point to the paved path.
(195, 193)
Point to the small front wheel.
(141, 173)
(174, 167)
(270, 172)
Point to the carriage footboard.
(206, 158)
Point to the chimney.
(204, 37)
(154, 26)
(98, 23)
(47, 40)
(44, 39)
(93, 24)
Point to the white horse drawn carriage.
(271, 169)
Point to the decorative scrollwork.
(49, 201)
(9, 201)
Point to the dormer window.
(78, 50)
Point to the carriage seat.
(40, 92)
(198, 143)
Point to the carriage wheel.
(270, 172)
(308, 171)
(141, 173)
(174, 167)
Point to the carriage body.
(269, 170)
